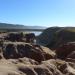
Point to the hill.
(17, 26)
(55, 36)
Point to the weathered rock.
(20, 58)
(42, 70)
(70, 60)
(8, 68)
(10, 51)
(24, 61)
(20, 37)
(59, 67)
(68, 69)
(71, 55)
(23, 66)
(19, 50)
(64, 50)
(52, 65)
(14, 37)
(46, 68)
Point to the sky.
(38, 12)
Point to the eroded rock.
(18, 50)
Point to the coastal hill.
(18, 26)
(54, 36)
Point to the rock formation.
(20, 56)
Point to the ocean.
(35, 32)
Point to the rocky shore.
(19, 55)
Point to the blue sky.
(38, 12)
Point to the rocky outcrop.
(20, 68)
(20, 37)
(49, 67)
(66, 51)
(14, 36)
(20, 58)
(16, 50)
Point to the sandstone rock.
(48, 53)
(18, 50)
(42, 70)
(24, 61)
(68, 69)
(7, 68)
(27, 70)
(49, 67)
(52, 65)
(59, 67)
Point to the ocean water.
(35, 32)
